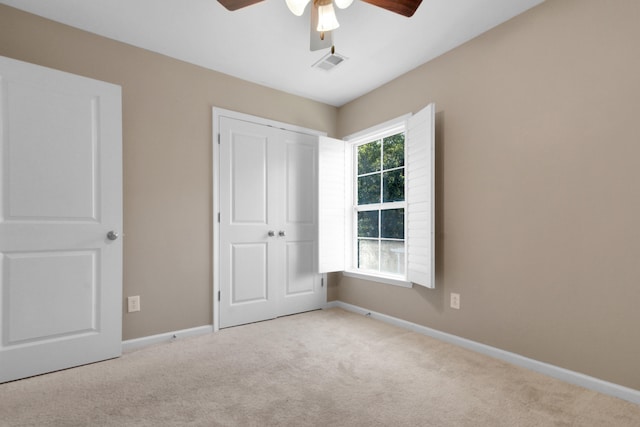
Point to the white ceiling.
(268, 45)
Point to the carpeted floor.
(323, 368)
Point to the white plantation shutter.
(420, 149)
(332, 185)
(335, 205)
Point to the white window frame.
(336, 200)
(392, 127)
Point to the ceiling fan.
(323, 17)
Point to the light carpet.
(322, 368)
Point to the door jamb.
(217, 114)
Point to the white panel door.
(248, 265)
(268, 223)
(60, 196)
(302, 283)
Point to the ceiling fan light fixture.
(297, 6)
(343, 4)
(327, 20)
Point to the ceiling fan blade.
(403, 7)
(237, 4)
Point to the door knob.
(112, 235)
(271, 233)
(281, 233)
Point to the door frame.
(217, 113)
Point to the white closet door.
(60, 196)
(268, 223)
(250, 176)
(302, 283)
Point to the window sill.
(381, 279)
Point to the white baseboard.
(136, 343)
(566, 375)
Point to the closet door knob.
(271, 233)
(112, 235)
(281, 233)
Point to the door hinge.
(322, 282)
(218, 139)
(218, 216)
(218, 295)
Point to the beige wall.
(167, 158)
(538, 188)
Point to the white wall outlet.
(455, 301)
(133, 304)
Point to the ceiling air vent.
(329, 61)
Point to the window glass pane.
(392, 224)
(368, 254)
(369, 157)
(393, 183)
(381, 179)
(393, 151)
(368, 224)
(392, 257)
(369, 189)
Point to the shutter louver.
(331, 205)
(421, 197)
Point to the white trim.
(557, 372)
(378, 278)
(374, 131)
(221, 112)
(137, 343)
(215, 212)
(216, 114)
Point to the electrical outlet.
(133, 304)
(455, 301)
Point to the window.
(379, 183)
(376, 202)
